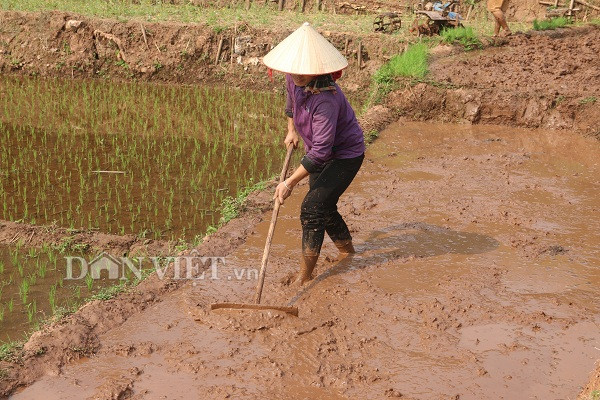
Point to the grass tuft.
(412, 63)
(549, 24)
(464, 36)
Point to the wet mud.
(477, 276)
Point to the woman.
(320, 114)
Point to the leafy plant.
(411, 63)
(8, 350)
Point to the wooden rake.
(263, 267)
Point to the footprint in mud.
(403, 241)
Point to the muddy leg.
(339, 233)
(500, 22)
(312, 240)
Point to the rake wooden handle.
(265, 258)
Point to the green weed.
(588, 100)
(8, 350)
(412, 63)
(232, 206)
(549, 24)
(109, 292)
(464, 36)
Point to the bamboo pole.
(571, 5)
(219, 49)
(144, 36)
(585, 3)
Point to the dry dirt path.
(477, 276)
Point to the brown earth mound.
(592, 389)
(548, 79)
(71, 45)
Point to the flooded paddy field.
(155, 161)
(150, 160)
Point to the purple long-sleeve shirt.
(327, 124)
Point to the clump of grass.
(548, 24)
(588, 100)
(464, 36)
(109, 292)
(8, 350)
(232, 206)
(412, 63)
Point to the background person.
(498, 8)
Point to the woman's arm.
(292, 135)
(284, 189)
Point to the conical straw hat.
(305, 52)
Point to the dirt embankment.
(592, 389)
(69, 45)
(549, 80)
(36, 236)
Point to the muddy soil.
(547, 79)
(476, 276)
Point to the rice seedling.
(24, 290)
(42, 270)
(52, 298)
(89, 282)
(31, 311)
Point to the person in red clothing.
(319, 113)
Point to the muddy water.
(477, 276)
(34, 286)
